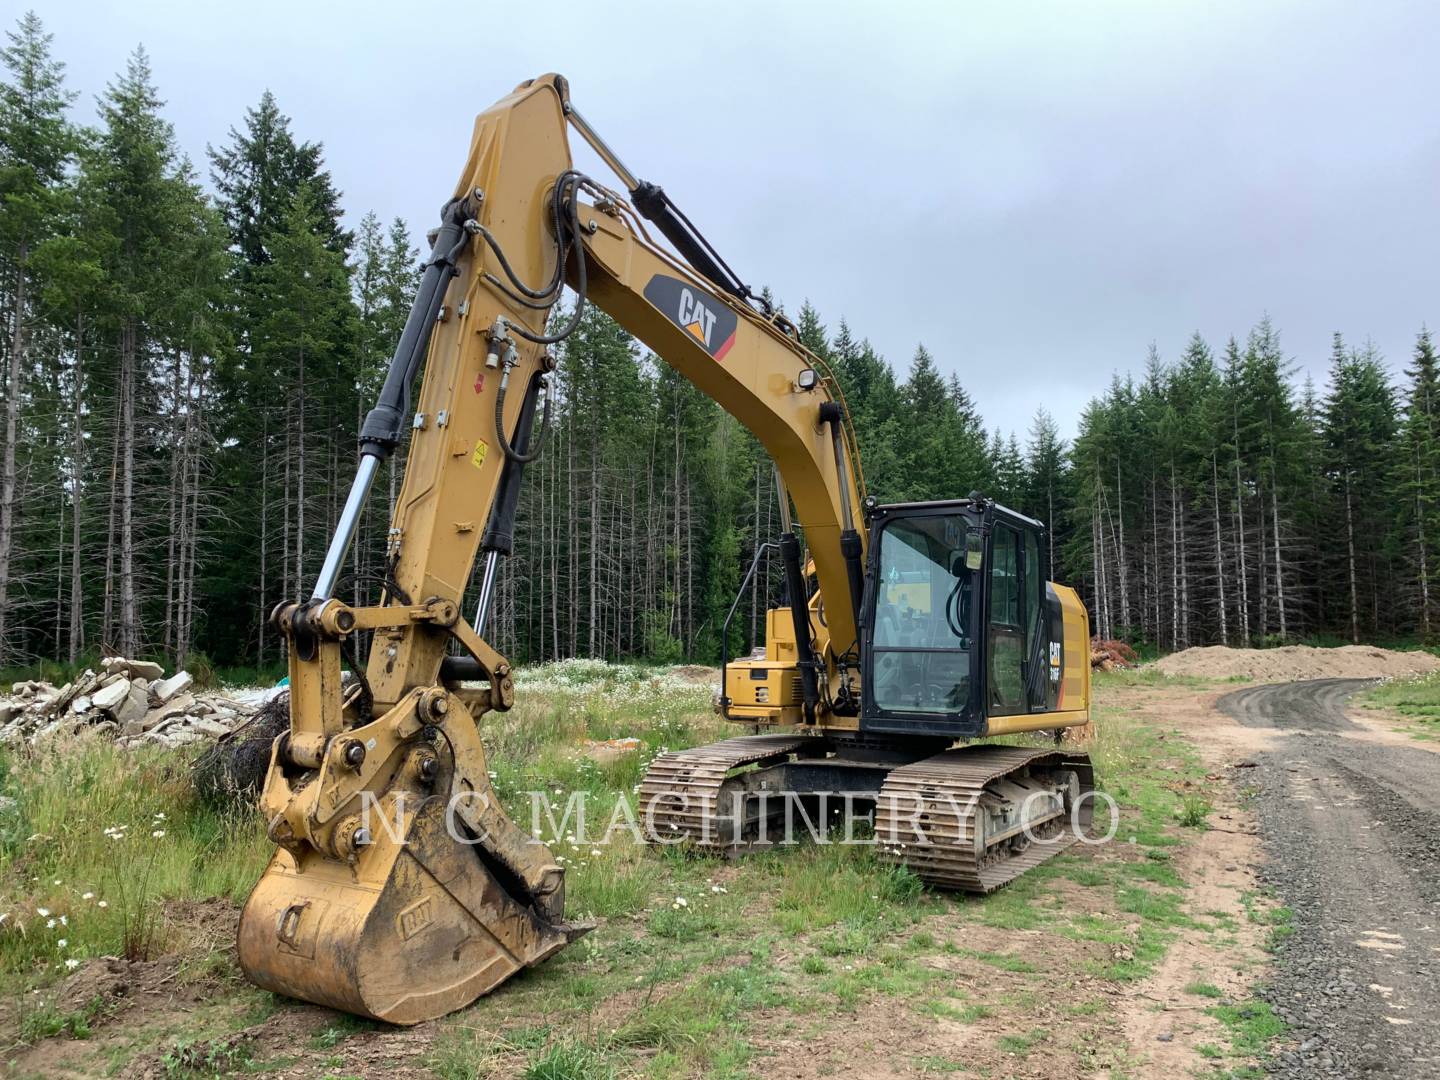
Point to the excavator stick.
(400, 889)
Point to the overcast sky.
(1036, 191)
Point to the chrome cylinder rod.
(487, 591)
(345, 528)
(784, 500)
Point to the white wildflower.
(682, 902)
(49, 924)
(61, 943)
(87, 896)
(64, 920)
(158, 834)
(71, 964)
(102, 903)
(43, 912)
(719, 890)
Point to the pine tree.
(257, 175)
(1045, 479)
(37, 145)
(144, 196)
(1418, 482)
(1359, 434)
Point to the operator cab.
(957, 628)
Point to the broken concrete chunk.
(144, 669)
(177, 706)
(109, 696)
(162, 691)
(130, 713)
(203, 726)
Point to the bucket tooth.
(418, 926)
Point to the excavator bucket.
(419, 926)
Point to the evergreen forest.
(191, 346)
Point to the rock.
(8, 711)
(178, 737)
(204, 726)
(144, 669)
(60, 700)
(81, 704)
(178, 706)
(1165, 1036)
(166, 689)
(141, 682)
(109, 696)
(130, 713)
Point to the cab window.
(922, 619)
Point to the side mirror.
(974, 550)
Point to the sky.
(1036, 190)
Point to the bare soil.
(1296, 662)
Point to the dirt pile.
(130, 701)
(1291, 663)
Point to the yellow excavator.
(399, 888)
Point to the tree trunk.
(129, 602)
(1279, 564)
(1219, 554)
(77, 467)
(1424, 556)
(1240, 542)
(1174, 563)
(1350, 563)
(1120, 570)
(8, 472)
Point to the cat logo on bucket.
(711, 323)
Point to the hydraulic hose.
(513, 452)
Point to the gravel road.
(1352, 831)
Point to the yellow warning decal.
(478, 457)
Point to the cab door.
(1016, 584)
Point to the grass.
(805, 939)
(1251, 1026)
(97, 840)
(1418, 699)
(1194, 810)
(1203, 989)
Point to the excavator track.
(970, 819)
(976, 818)
(680, 795)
